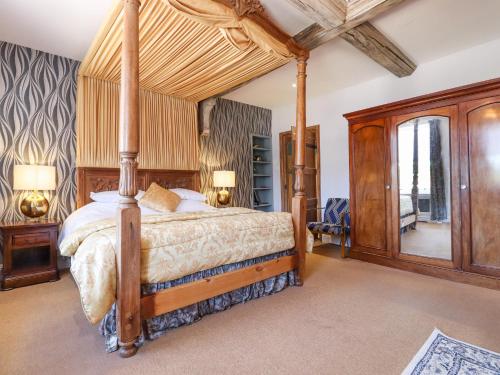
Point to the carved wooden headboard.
(104, 179)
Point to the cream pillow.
(160, 199)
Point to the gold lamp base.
(223, 197)
(34, 205)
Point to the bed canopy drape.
(171, 123)
(191, 50)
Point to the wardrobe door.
(426, 207)
(480, 185)
(370, 201)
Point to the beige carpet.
(349, 318)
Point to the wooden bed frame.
(106, 179)
(131, 308)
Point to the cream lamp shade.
(34, 177)
(224, 179)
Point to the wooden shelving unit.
(262, 172)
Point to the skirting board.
(440, 272)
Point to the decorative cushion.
(160, 199)
(334, 209)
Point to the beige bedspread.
(173, 245)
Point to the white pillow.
(111, 196)
(189, 194)
(188, 205)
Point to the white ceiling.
(286, 16)
(424, 29)
(61, 27)
(429, 29)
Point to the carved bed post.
(128, 241)
(299, 198)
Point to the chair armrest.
(315, 208)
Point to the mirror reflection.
(424, 187)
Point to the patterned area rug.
(446, 356)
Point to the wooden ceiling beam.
(356, 30)
(357, 7)
(316, 35)
(379, 48)
(327, 13)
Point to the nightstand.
(29, 250)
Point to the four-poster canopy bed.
(247, 45)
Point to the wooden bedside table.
(29, 253)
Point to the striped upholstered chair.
(336, 221)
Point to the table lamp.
(34, 178)
(224, 180)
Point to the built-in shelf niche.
(262, 172)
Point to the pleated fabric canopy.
(191, 49)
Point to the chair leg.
(318, 235)
(342, 240)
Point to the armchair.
(336, 221)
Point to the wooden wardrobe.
(425, 184)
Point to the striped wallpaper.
(228, 146)
(37, 124)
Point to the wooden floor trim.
(429, 270)
(184, 295)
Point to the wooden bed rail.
(184, 295)
(128, 318)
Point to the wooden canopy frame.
(131, 308)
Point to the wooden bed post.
(128, 241)
(299, 198)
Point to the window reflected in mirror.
(424, 187)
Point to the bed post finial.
(128, 320)
(299, 198)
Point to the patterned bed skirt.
(159, 325)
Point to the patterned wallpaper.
(228, 146)
(37, 124)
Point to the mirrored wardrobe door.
(423, 194)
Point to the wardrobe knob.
(387, 187)
(463, 187)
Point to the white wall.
(468, 66)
